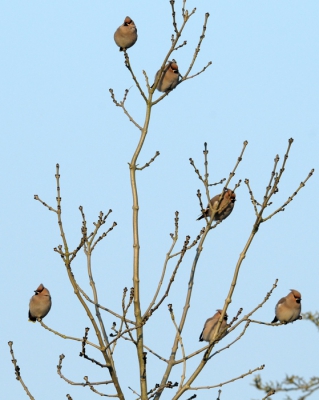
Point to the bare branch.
(83, 352)
(150, 162)
(123, 320)
(65, 336)
(282, 208)
(170, 309)
(128, 65)
(187, 306)
(168, 255)
(134, 391)
(17, 371)
(172, 2)
(197, 50)
(231, 380)
(121, 104)
(148, 349)
(191, 161)
(147, 81)
(104, 308)
(252, 198)
(86, 383)
(200, 72)
(67, 262)
(36, 197)
(104, 234)
(239, 159)
(183, 9)
(217, 183)
(247, 317)
(181, 45)
(195, 241)
(234, 341)
(173, 275)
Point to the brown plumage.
(169, 78)
(209, 327)
(288, 308)
(40, 303)
(126, 35)
(225, 207)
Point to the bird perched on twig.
(225, 207)
(126, 35)
(288, 308)
(169, 78)
(209, 327)
(40, 303)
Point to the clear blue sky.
(58, 62)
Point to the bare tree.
(134, 329)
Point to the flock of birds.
(126, 36)
(288, 308)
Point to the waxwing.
(40, 303)
(288, 308)
(169, 78)
(208, 330)
(126, 35)
(225, 207)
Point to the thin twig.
(282, 208)
(173, 275)
(195, 241)
(17, 371)
(121, 104)
(181, 45)
(170, 309)
(172, 2)
(231, 380)
(148, 349)
(86, 379)
(252, 198)
(36, 197)
(83, 352)
(65, 336)
(150, 162)
(104, 308)
(234, 341)
(168, 255)
(134, 391)
(197, 49)
(200, 72)
(247, 317)
(104, 234)
(129, 67)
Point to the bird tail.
(31, 318)
(274, 320)
(201, 217)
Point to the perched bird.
(40, 303)
(288, 308)
(169, 78)
(225, 207)
(209, 327)
(126, 35)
